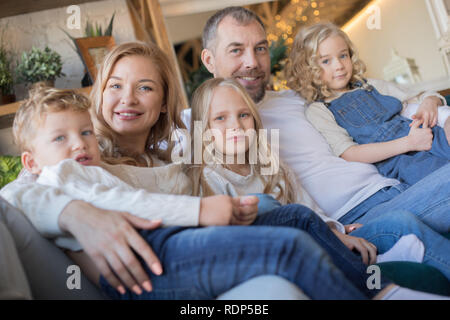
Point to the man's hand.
(428, 111)
(367, 250)
(222, 210)
(109, 237)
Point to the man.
(235, 45)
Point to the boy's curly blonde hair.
(42, 100)
(303, 70)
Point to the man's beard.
(256, 93)
(259, 94)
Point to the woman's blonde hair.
(200, 108)
(303, 70)
(160, 133)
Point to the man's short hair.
(240, 14)
(42, 100)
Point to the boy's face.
(62, 135)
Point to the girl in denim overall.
(330, 73)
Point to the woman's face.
(133, 97)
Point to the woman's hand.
(109, 237)
(367, 250)
(428, 111)
(223, 210)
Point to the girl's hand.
(223, 210)
(419, 139)
(428, 112)
(245, 210)
(367, 250)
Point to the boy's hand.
(419, 139)
(428, 112)
(222, 210)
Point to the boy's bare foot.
(447, 129)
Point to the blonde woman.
(361, 118)
(137, 102)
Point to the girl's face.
(336, 63)
(133, 97)
(229, 119)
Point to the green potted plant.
(6, 74)
(6, 82)
(10, 167)
(39, 65)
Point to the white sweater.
(139, 191)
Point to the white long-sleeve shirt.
(139, 191)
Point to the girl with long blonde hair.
(361, 118)
(233, 144)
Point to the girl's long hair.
(303, 70)
(201, 102)
(158, 143)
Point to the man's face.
(240, 52)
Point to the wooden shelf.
(15, 7)
(7, 111)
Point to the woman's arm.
(418, 139)
(106, 236)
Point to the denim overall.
(370, 117)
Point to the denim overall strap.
(370, 117)
(362, 112)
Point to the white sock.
(400, 293)
(407, 248)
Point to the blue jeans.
(386, 229)
(303, 218)
(202, 263)
(428, 199)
